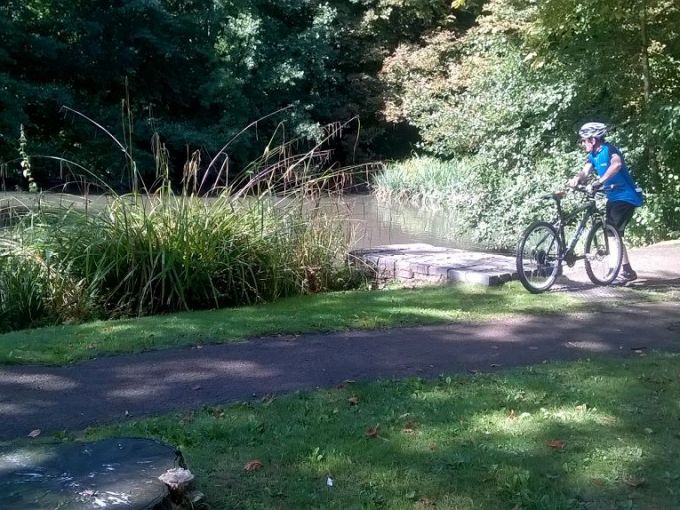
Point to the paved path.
(109, 389)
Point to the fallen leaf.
(557, 444)
(409, 427)
(353, 401)
(253, 465)
(35, 433)
(372, 431)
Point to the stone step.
(427, 263)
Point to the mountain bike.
(543, 247)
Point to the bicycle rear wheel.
(538, 257)
(604, 251)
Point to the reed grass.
(256, 240)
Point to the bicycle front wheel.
(604, 251)
(538, 257)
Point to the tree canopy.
(505, 81)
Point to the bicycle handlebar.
(592, 193)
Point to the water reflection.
(377, 223)
(372, 223)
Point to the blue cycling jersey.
(624, 189)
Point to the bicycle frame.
(545, 246)
(589, 210)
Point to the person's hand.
(574, 181)
(593, 187)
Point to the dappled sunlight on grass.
(336, 311)
(571, 435)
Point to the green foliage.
(504, 82)
(195, 71)
(492, 210)
(142, 255)
(509, 93)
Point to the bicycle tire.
(603, 253)
(538, 257)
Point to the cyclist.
(623, 196)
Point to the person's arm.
(615, 164)
(582, 175)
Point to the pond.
(372, 222)
(378, 223)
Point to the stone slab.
(111, 473)
(433, 263)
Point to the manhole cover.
(112, 473)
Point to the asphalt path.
(117, 388)
(122, 387)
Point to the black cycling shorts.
(619, 214)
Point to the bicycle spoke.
(538, 257)
(603, 254)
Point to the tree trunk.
(649, 146)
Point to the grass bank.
(583, 435)
(334, 311)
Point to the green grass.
(303, 314)
(461, 442)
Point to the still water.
(372, 222)
(376, 223)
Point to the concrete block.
(404, 274)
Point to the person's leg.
(624, 258)
(619, 215)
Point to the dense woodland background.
(497, 88)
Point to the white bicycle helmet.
(593, 130)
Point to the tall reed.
(256, 240)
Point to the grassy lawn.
(315, 313)
(585, 435)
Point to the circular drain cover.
(112, 473)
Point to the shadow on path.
(107, 389)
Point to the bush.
(492, 209)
